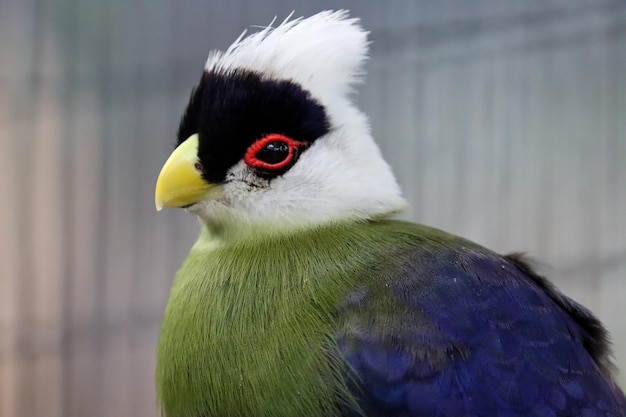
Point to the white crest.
(343, 175)
(323, 53)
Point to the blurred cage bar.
(504, 121)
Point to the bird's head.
(271, 139)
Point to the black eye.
(273, 153)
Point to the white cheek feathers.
(329, 183)
(341, 176)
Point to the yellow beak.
(180, 183)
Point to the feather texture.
(280, 80)
(472, 334)
(324, 53)
(378, 319)
(294, 302)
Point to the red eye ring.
(250, 158)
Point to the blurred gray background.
(505, 122)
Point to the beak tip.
(180, 183)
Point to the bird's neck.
(247, 329)
(235, 232)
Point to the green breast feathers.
(248, 327)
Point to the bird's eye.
(273, 152)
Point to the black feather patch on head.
(232, 110)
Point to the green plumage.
(292, 304)
(249, 324)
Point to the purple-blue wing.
(453, 333)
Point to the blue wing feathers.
(478, 335)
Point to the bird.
(305, 296)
